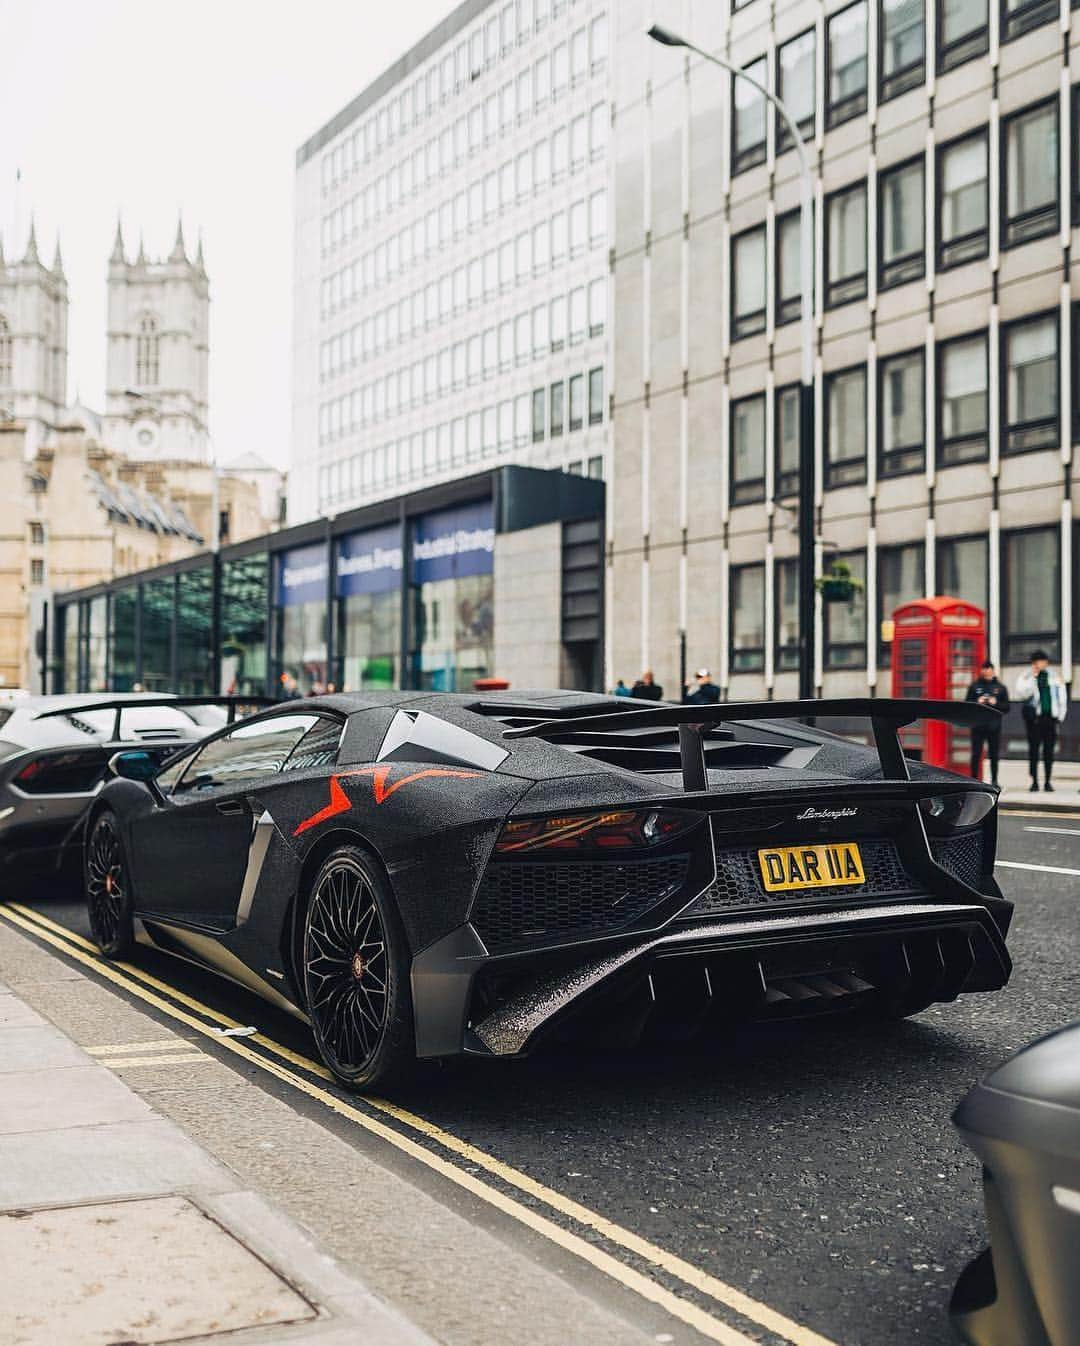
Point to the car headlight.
(950, 813)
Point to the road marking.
(1039, 869)
(126, 1048)
(122, 1062)
(708, 1326)
(1035, 813)
(1058, 831)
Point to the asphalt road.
(812, 1166)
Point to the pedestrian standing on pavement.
(647, 688)
(706, 693)
(987, 690)
(621, 689)
(1041, 694)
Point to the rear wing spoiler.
(887, 717)
(232, 704)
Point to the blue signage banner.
(369, 562)
(300, 575)
(454, 543)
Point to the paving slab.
(36, 1047)
(15, 1013)
(140, 1272)
(93, 1162)
(51, 1100)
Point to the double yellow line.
(284, 1064)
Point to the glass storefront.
(368, 568)
(452, 592)
(245, 597)
(70, 647)
(124, 617)
(194, 632)
(158, 597)
(97, 645)
(300, 577)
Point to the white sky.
(150, 107)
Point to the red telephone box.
(937, 648)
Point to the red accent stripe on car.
(340, 802)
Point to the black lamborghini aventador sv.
(425, 875)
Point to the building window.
(902, 223)
(539, 401)
(963, 200)
(747, 619)
(963, 31)
(963, 569)
(901, 577)
(845, 228)
(37, 570)
(845, 427)
(558, 413)
(146, 353)
(748, 283)
(1030, 195)
(748, 450)
(963, 401)
(786, 473)
(748, 121)
(845, 623)
(903, 414)
(795, 87)
(5, 353)
(903, 46)
(786, 606)
(1019, 16)
(1031, 584)
(595, 468)
(577, 402)
(37, 534)
(1030, 384)
(788, 267)
(596, 396)
(845, 77)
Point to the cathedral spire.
(179, 254)
(31, 244)
(200, 263)
(58, 261)
(2, 262)
(141, 259)
(118, 245)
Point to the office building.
(452, 250)
(943, 143)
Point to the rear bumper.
(688, 974)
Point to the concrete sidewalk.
(115, 1226)
(1015, 781)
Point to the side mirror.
(133, 765)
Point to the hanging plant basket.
(839, 585)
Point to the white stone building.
(452, 244)
(157, 354)
(33, 342)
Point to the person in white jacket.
(1044, 703)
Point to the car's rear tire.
(355, 965)
(107, 887)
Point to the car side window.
(318, 747)
(248, 752)
(167, 778)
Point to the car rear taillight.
(616, 830)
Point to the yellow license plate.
(831, 865)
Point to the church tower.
(33, 342)
(157, 353)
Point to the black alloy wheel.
(108, 889)
(356, 973)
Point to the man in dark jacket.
(706, 693)
(987, 690)
(645, 689)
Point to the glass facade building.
(399, 595)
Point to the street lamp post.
(807, 532)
